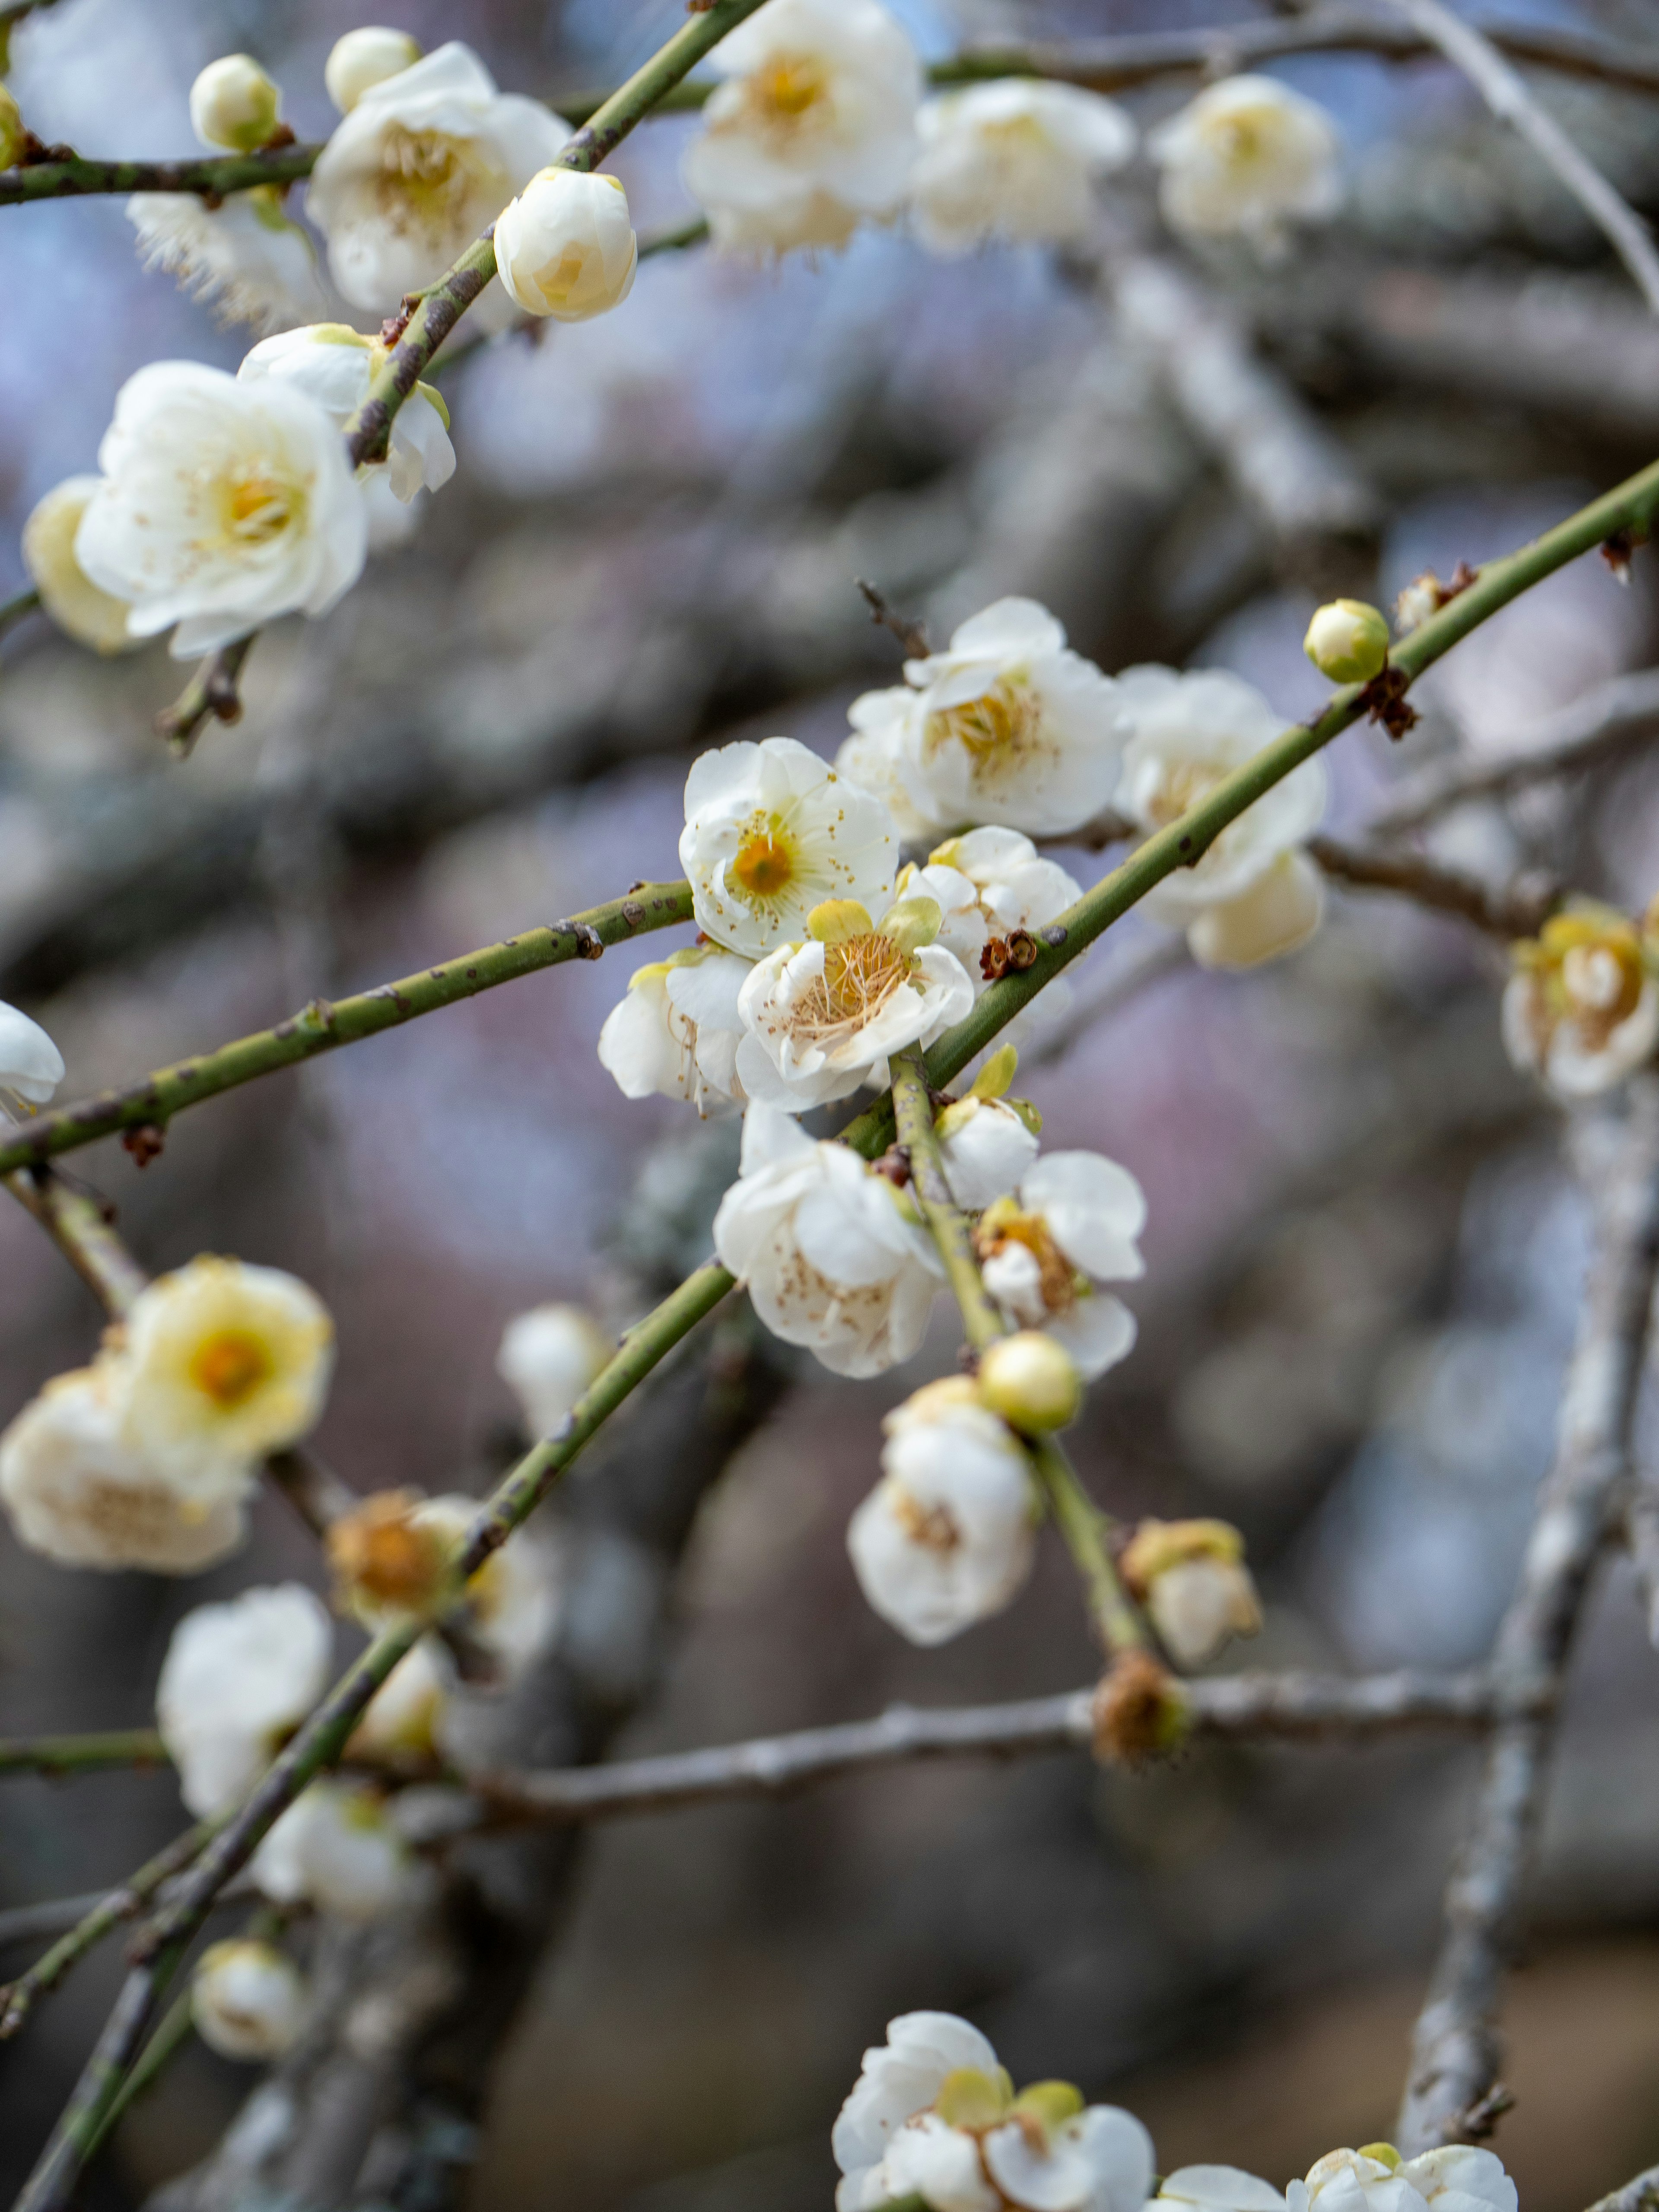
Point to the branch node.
(910, 633)
(145, 1143)
(1384, 701)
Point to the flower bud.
(248, 2000)
(565, 247)
(1030, 1381)
(1348, 642)
(13, 136)
(234, 103)
(67, 592)
(383, 1554)
(1140, 1710)
(1191, 1578)
(364, 58)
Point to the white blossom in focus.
(823, 1016)
(333, 364)
(771, 833)
(68, 594)
(244, 257)
(987, 1145)
(1457, 2178)
(1246, 158)
(76, 1492)
(1013, 161)
(1218, 2189)
(424, 160)
(946, 1537)
(898, 2081)
(237, 1681)
(814, 130)
(223, 1361)
(1254, 894)
(677, 1028)
(1073, 1223)
(247, 2000)
(233, 104)
(1581, 1010)
(547, 1357)
(831, 1255)
(31, 1066)
(336, 1849)
(565, 247)
(365, 57)
(1018, 888)
(222, 505)
(1009, 727)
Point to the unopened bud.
(13, 137)
(1140, 1712)
(67, 592)
(1031, 1381)
(364, 58)
(384, 1554)
(1348, 642)
(566, 247)
(235, 104)
(248, 2000)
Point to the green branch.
(82, 1754)
(76, 1224)
(178, 2026)
(322, 1027)
(913, 1107)
(1084, 1527)
(212, 177)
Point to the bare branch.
(1642, 1533)
(1641, 2195)
(1519, 909)
(910, 634)
(1505, 92)
(1455, 2049)
(85, 1234)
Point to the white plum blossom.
(831, 1255)
(334, 1848)
(224, 1361)
(771, 832)
(822, 1016)
(422, 162)
(1457, 2178)
(677, 1030)
(1191, 1578)
(933, 2115)
(947, 1536)
(1009, 727)
(1254, 894)
(401, 1724)
(547, 1357)
(566, 247)
(31, 1066)
(237, 1681)
(333, 364)
(1218, 2189)
(76, 1492)
(396, 1552)
(365, 57)
(987, 1145)
(1013, 161)
(1073, 1223)
(1581, 1010)
(1246, 158)
(1018, 888)
(68, 594)
(233, 104)
(247, 2000)
(814, 130)
(244, 257)
(221, 505)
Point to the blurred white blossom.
(548, 1358)
(1218, 2189)
(247, 2000)
(1073, 1223)
(1247, 157)
(401, 1722)
(1582, 1009)
(1191, 1578)
(333, 364)
(826, 1249)
(566, 247)
(244, 256)
(814, 130)
(31, 1066)
(334, 1848)
(365, 57)
(1376, 2180)
(677, 1028)
(68, 594)
(1013, 161)
(395, 1554)
(237, 1679)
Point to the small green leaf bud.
(235, 104)
(13, 136)
(1031, 1381)
(1348, 642)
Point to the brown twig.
(84, 1231)
(213, 694)
(1455, 2049)
(1520, 908)
(911, 634)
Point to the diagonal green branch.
(912, 1111)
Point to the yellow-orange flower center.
(1000, 721)
(259, 504)
(789, 86)
(1004, 1224)
(229, 1366)
(764, 864)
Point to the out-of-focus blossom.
(363, 58)
(547, 1357)
(677, 1028)
(244, 258)
(333, 364)
(31, 1066)
(1073, 1223)
(78, 1493)
(1191, 1578)
(400, 1726)
(1218, 2189)
(237, 1681)
(1376, 2180)
(233, 104)
(1247, 158)
(224, 1361)
(1252, 895)
(771, 833)
(566, 247)
(395, 1555)
(336, 1849)
(1582, 1009)
(1347, 641)
(221, 505)
(1015, 162)
(946, 1536)
(822, 1016)
(1009, 727)
(831, 1255)
(814, 131)
(247, 2000)
(424, 160)
(69, 596)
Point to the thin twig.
(1504, 91)
(213, 694)
(82, 1754)
(178, 2026)
(1084, 1529)
(85, 1235)
(1518, 909)
(911, 634)
(1455, 2050)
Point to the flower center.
(1001, 721)
(229, 1366)
(259, 505)
(1180, 787)
(764, 865)
(930, 1526)
(1584, 972)
(860, 976)
(785, 89)
(1004, 1224)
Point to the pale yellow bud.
(1348, 642)
(1030, 1381)
(13, 136)
(235, 104)
(565, 247)
(74, 601)
(247, 2000)
(364, 58)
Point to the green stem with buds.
(913, 1109)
